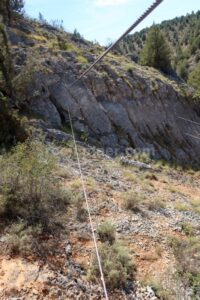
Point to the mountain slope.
(119, 105)
(182, 34)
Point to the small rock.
(68, 249)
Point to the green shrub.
(12, 127)
(28, 184)
(81, 59)
(194, 78)
(160, 291)
(106, 232)
(155, 204)
(187, 254)
(130, 70)
(82, 214)
(21, 239)
(132, 200)
(182, 70)
(63, 46)
(117, 266)
(187, 229)
(68, 46)
(79, 201)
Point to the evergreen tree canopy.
(194, 78)
(7, 7)
(6, 69)
(156, 52)
(182, 69)
(183, 36)
(5, 11)
(17, 5)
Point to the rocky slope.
(118, 105)
(169, 208)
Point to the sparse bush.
(76, 184)
(81, 59)
(91, 182)
(117, 266)
(63, 45)
(64, 173)
(130, 176)
(167, 286)
(62, 196)
(160, 291)
(173, 189)
(181, 206)
(21, 239)
(82, 215)
(106, 232)
(187, 253)
(187, 229)
(132, 200)
(155, 204)
(195, 202)
(28, 184)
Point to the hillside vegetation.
(183, 36)
(139, 163)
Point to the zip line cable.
(193, 122)
(188, 120)
(193, 136)
(88, 207)
(135, 24)
(139, 20)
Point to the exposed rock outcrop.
(119, 104)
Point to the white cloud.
(104, 3)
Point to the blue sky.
(102, 20)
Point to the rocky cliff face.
(119, 104)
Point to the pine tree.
(7, 7)
(5, 11)
(182, 70)
(41, 18)
(76, 36)
(17, 5)
(156, 52)
(6, 67)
